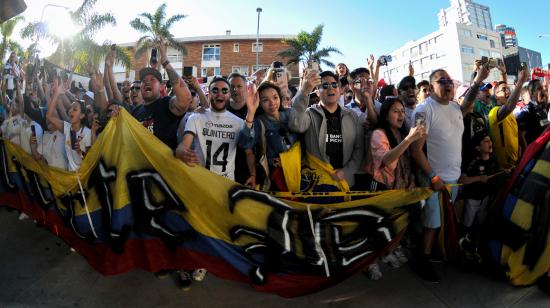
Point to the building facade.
(217, 55)
(466, 12)
(454, 48)
(513, 57)
(507, 36)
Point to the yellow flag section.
(129, 174)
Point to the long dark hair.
(383, 120)
(269, 85)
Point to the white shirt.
(84, 138)
(52, 148)
(444, 128)
(12, 127)
(26, 133)
(216, 137)
(14, 72)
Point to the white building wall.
(443, 49)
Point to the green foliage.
(305, 47)
(155, 28)
(7, 44)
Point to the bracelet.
(435, 179)
(165, 63)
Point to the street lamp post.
(259, 10)
(41, 23)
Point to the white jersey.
(52, 148)
(216, 137)
(84, 139)
(12, 127)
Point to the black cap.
(479, 136)
(407, 80)
(329, 73)
(150, 71)
(360, 70)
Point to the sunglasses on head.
(444, 82)
(361, 79)
(217, 90)
(326, 85)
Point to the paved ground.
(37, 270)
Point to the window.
(216, 72)
(174, 58)
(423, 48)
(236, 47)
(414, 51)
(241, 69)
(493, 45)
(437, 38)
(467, 49)
(261, 66)
(484, 52)
(211, 52)
(466, 32)
(495, 55)
(482, 37)
(260, 47)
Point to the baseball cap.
(486, 86)
(150, 71)
(90, 94)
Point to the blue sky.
(357, 28)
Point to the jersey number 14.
(215, 159)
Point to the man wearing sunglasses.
(443, 121)
(161, 115)
(332, 134)
(407, 93)
(135, 93)
(210, 138)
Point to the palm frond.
(172, 20)
(95, 22)
(140, 26)
(159, 16)
(140, 50)
(179, 46)
(83, 10)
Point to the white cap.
(90, 94)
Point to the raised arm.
(502, 68)
(481, 74)
(19, 98)
(393, 155)
(203, 101)
(109, 62)
(510, 105)
(180, 103)
(52, 104)
(299, 121)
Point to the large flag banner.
(133, 205)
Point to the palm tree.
(6, 29)
(305, 47)
(156, 28)
(76, 51)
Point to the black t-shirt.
(334, 141)
(473, 123)
(158, 118)
(241, 166)
(477, 166)
(533, 120)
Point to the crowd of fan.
(375, 136)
